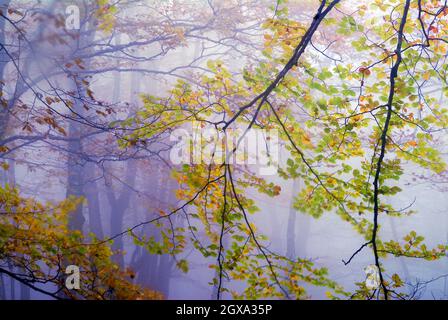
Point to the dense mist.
(353, 92)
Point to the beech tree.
(355, 91)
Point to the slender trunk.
(2, 287)
(91, 193)
(75, 160)
(4, 59)
(118, 207)
(304, 223)
(12, 288)
(74, 179)
(291, 230)
(166, 262)
(297, 238)
(400, 259)
(164, 274)
(25, 291)
(119, 204)
(149, 264)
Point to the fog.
(149, 46)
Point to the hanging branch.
(299, 50)
(383, 139)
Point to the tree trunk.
(93, 203)
(118, 205)
(291, 231)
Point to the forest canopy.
(238, 149)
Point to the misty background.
(150, 45)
